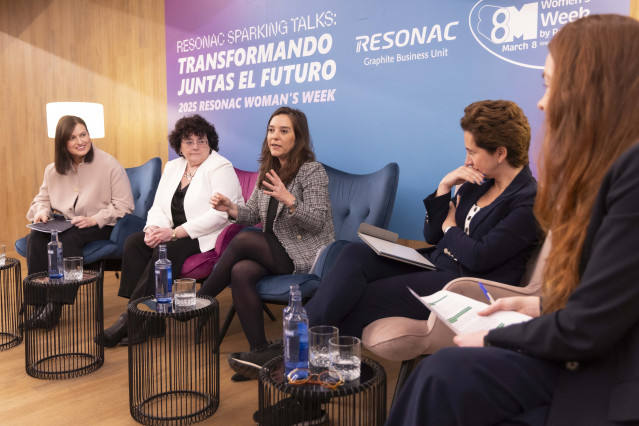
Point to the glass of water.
(2, 255)
(73, 268)
(318, 338)
(345, 356)
(183, 294)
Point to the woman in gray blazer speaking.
(291, 200)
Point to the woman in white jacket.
(181, 216)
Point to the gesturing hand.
(276, 189)
(457, 177)
(222, 203)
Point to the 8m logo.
(509, 29)
(505, 24)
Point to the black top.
(270, 215)
(177, 206)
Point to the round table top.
(204, 305)
(42, 278)
(150, 305)
(372, 373)
(9, 262)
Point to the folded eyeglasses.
(327, 379)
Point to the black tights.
(250, 256)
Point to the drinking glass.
(2, 255)
(318, 338)
(183, 294)
(73, 268)
(345, 355)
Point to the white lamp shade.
(92, 114)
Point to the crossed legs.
(250, 256)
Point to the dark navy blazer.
(502, 234)
(596, 335)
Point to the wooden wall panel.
(106, 51)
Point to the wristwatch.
(294, 206)
(174, 235)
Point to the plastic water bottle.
(163, 281)
(294, 287)
(295, 334)
(54, 256)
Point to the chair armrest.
(327, 257)
(226, 236)
(469, 287)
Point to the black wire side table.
(10, 303)
(63, 346)
(174, 362)
(360, 403)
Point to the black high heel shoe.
(36, 313)
(47, 317)
(111, 336)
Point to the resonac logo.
(519, 31)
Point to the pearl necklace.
(189, 176)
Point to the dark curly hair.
(192, 125)
(499, 123)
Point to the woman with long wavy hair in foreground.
(577, 360)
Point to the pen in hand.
(488, 296)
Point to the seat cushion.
(396, 338)
(275, 288)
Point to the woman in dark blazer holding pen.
(577, 361)
(487, 229)
(291, 201)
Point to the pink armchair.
(199, 266)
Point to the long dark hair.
(62, 159)
(301, 153)
(592, 117)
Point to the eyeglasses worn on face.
(191, 144)
(327, 379)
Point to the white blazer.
(216, 174)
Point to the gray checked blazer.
(310, 227)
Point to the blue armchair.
(354, 199)
(144, 182)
